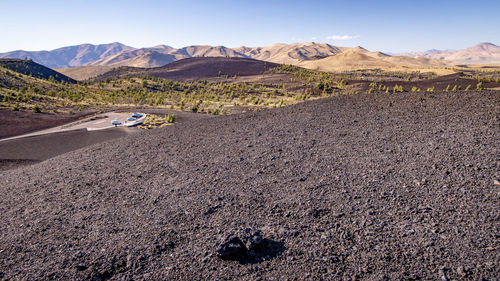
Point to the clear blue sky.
(390, 26)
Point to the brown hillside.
(84, 72)
(360, 58)
(196, 68)
(290, 53)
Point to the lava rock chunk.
(248, 246)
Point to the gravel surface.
(29, 150)
(372, 187)
(14, 123)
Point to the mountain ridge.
(482, 53)
(69, 56)
(87, 60)
(117, 54)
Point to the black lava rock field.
(355, 187)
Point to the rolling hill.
(360, 58)
(84, 72)
(31, 68)
(195, 68)
(484, 53)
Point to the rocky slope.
(369, 186)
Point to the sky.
(388, 26)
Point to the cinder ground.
(41, 145)
(97, 122)
(14, 123)
(368, 186)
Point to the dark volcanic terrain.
(370, 186)
(33, 69)
(195, 68)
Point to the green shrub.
(373, 85)
(479, 86)
(397, 88)
(170, 118)
(37, 109)
(468, 87)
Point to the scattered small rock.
(210, 211)
(338, 214)
(317, 213)
(462, 271)
(80, 254)
(442, 274)
(81, 267)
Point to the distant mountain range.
(484, 53)
(117, 54)
(360, 58)
(161, 55)
(97, 59)
(71, 56)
